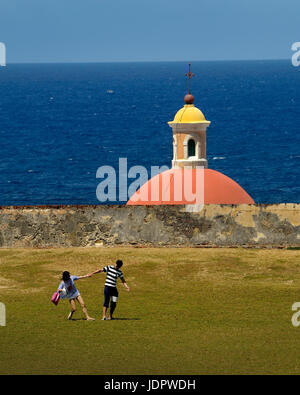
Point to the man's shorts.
(110, 293)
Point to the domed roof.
(189, 114)
(167, 188)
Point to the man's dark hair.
(119, 263)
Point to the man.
(110, 287)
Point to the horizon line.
(147, 61)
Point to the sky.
(147, 30)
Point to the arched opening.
(191, 148)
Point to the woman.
(67, 289)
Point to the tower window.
(191, 148)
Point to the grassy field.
(190, 311)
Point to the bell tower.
(189, 133)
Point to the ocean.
(60, 122)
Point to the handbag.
(55, 298)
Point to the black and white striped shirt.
(112, 276)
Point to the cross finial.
(189, 75)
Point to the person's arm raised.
(96, 272)
(86, 276)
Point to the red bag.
(55, 298)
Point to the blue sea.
(60, 122)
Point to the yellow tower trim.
(189, 114)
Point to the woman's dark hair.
(119, 263)
(66, 276)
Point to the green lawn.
(190, 311)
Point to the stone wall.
(215, 225)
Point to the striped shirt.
(112, 275)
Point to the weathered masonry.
(215, 225)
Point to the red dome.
(190, 186)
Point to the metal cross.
(190, 75)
